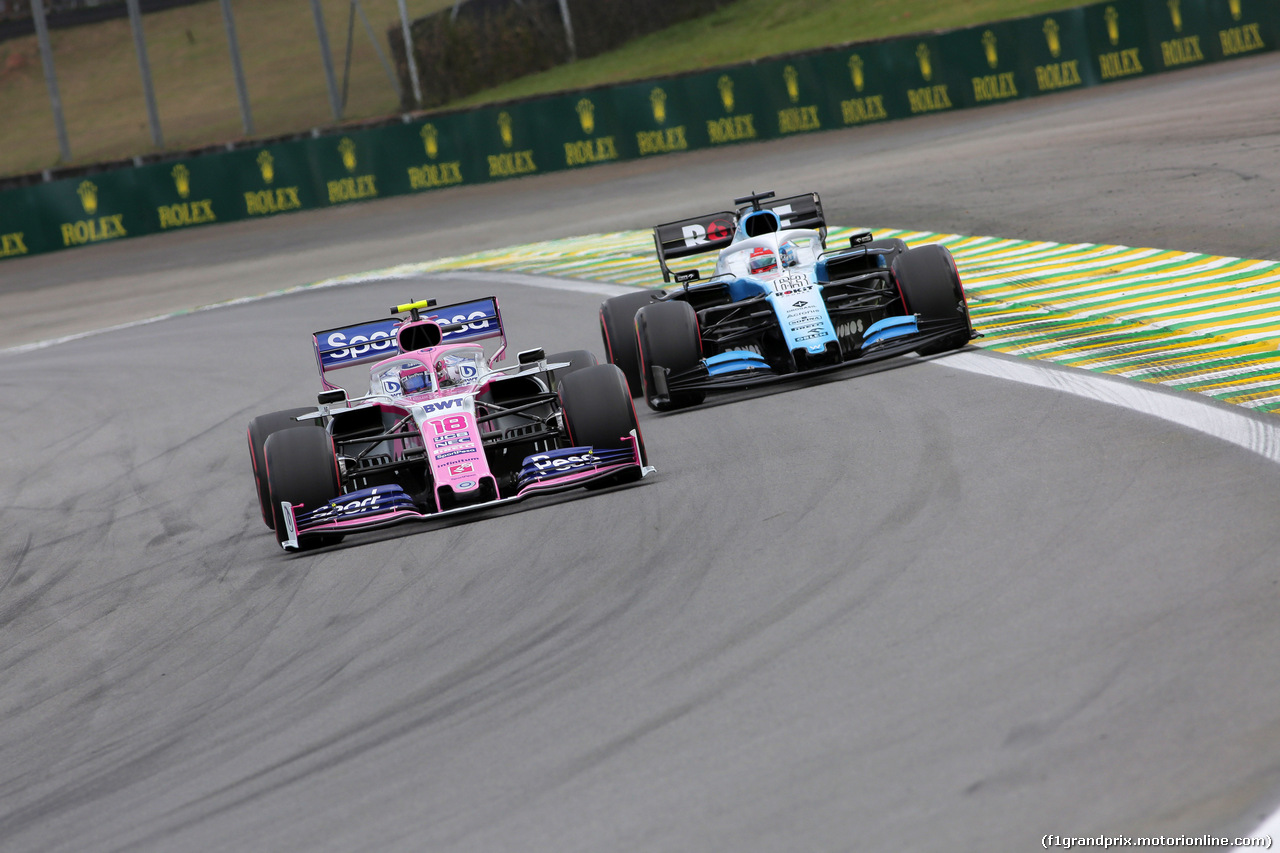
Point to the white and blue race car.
(779, 304)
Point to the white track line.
(1255, 433)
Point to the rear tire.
(598, 411)
(618, 329)
(301, 469)
(931, 288)
(667, 335)
(260, 428)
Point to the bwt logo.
(359, 345)
(444, 405)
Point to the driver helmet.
(762, 260)
(455, 369)
(787, 252)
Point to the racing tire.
(302, 468)
(931, 289)
(667, 336)
(260, 428)
(577, 358)
(599, 413)
(618, 329)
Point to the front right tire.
(667, 337)
(260, 429)
(302, 469)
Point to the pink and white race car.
(441, 430)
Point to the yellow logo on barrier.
(660, 141)
(432, 175)
(1051, 30)
(504, 128)
(430, 140)
(1234, 5)
(855, 72)
(989, 45)
(1113, 25)
(267, 165)
(1175, 14)
(725, 85)
(926, 62)
(182, 180)
(928, 99)
(347, 149)
(107, 227)
(658, 100)
(586, 116)
(184, 213)
(12, 245)
(88, 192)
(796, 119)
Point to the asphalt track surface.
(912, 608)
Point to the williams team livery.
(440, 430)
(779, 304)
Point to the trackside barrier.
(846, 86)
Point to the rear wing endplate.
(707, 233)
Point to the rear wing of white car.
(714, 231)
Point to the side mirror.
(532, 356)
(329, 398)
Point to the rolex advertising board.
(586, 130)
(185, 193)
(431, 154)
(270, 180)
(794, 91)
(658, 116)
(1118, 39)
(349, 167)
(1054, 52)
(727, 106)
(857, 87)
(1243, 27)
(20, 231)
(922, 79)
(507, 141)
(1179, 32)
(987, 58)
(95, 208)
